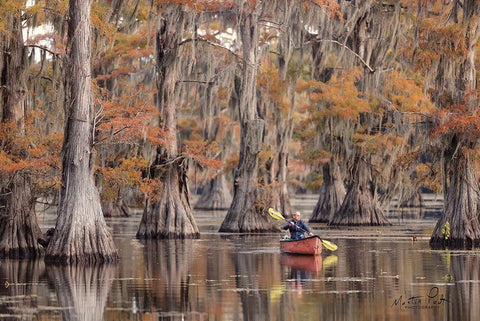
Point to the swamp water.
(376, 274)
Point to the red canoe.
(311, 245)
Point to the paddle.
(278, 216)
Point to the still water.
(376, 274)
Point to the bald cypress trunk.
(81, 234)
(332, 194)
(459, 226)
(245, 213)
(19, 230)
(216, 194)
(170, 215)
(359, 206)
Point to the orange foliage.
(271, 87)
(461, 122)
(128, 173)
(435, 38)
(331, 7)
(339, 96)
(152, 188)
(378, 143)
(203, 153)
(126, 120)
(29, 150)
(406, 94)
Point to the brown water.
(376, 274)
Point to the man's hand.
(310, 234)
(291, 224)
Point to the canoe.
(311, 245)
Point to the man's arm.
(306, 228)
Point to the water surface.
(376, 274)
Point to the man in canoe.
(297, 227)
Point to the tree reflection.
(166, 280)
(82, 290)
(20, 280)
(255, 303)
(463, 296)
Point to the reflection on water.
(81, 291)
(245, 277)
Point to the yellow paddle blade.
(276, 215)
(329, 245)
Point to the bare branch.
(113, 134)
(346, 47)
(45, 49)
(197, 81)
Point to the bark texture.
(19, 229)
(359, 206)
(245, 213)
(81, 234)
(457, 79)
(216, 193)
(169, 216)
(18, 223)
(332, 194)
(461, 208)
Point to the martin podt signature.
(431, 299)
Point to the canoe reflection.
(309, 263)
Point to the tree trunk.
(216, 194)
(245, 213)
(169, 216)
(19, 230)
(459, 225)
(359, 206)
(414, 200)
(283, 116)
(284, 204)
(116, 208)
(332, 194)
(81, 233)
(461, 208)
(18, 223)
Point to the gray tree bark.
(81, 234)
(245, 213)
(460, 183)
(169, 216)
(19, 229)
(332, 194)
(461, 207)
(359, 206)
